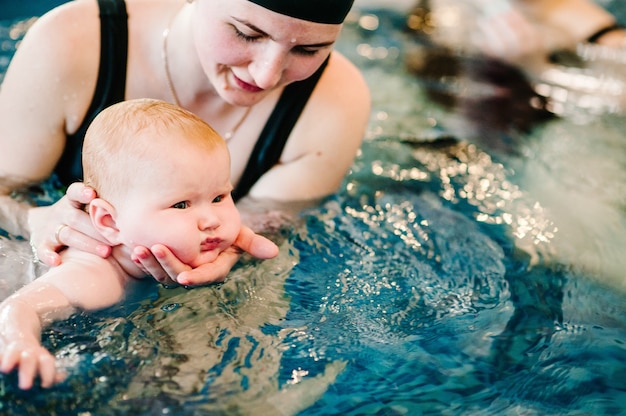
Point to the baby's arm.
(22, 317)
(82, 281)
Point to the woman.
(244, 66)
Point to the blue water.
(449, 275)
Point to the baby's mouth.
(210, 244)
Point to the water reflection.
(10, 37)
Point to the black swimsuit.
(110, 89)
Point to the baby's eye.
(218, 199)
(181, 205)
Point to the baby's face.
(182, 201)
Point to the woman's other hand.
(161, 263)
(64, 224)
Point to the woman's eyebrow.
(253, 27)
(263, 33)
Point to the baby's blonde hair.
(127, 134)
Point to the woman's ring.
(58, 232)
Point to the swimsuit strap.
(110, 87)
(274, 136)
(114, 56)
(603, 31)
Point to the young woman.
(263, 73)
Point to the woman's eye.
(247, 38)
(304, 51)
(181, 205)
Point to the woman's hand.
(64, 224)
(159, 261)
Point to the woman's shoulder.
(69, 16)
(342, 99)
(341, 92)
(341, 88)
(64, 43)
(342, 72)
(58, 58)
(65, 27)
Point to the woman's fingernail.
(52, 259)
(103, 251)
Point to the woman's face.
(248, 51)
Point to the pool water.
(449, 275)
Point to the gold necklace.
(166, 66)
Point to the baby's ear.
(103, 218)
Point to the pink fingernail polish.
(103, 251)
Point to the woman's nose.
(267, 70)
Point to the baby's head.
(132, 134)
(163, 177)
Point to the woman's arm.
(13, 215)
(35, 101)
(44, 95)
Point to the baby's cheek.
(234, 230)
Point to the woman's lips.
(245, 86)
(210, 244)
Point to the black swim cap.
(318, 11)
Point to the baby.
(163, 177)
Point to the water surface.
(446, 276)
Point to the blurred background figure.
(505, 66)
(518, 31)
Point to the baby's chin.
(204, 258)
